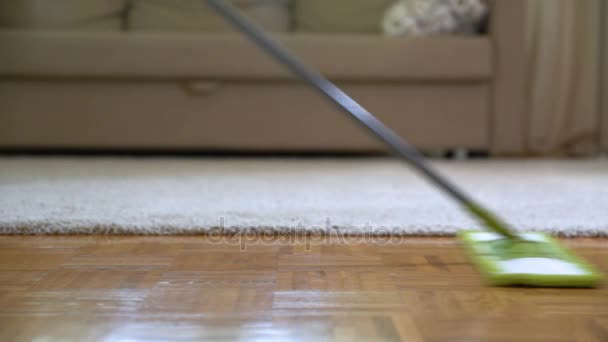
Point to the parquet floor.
(190, 288)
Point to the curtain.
(563, 76)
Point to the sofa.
(111, 82)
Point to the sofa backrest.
(104, 15)
(309, 16)
(340, 16)
(192, 15)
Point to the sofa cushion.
(228, 56)
(340, 16)
(193, 15)
(105, 15)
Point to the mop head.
(536, 260)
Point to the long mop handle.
(360, 114)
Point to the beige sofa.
(126, 90)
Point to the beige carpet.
(185, 196)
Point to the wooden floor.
(191, 288)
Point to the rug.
(160, 196)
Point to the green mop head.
(535, 259)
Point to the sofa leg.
(460, 154)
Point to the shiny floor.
(198, 288)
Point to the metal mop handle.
(357, 112)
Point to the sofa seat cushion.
(230, 56)
(194, 15)
(104, 15)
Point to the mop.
(503, 255)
